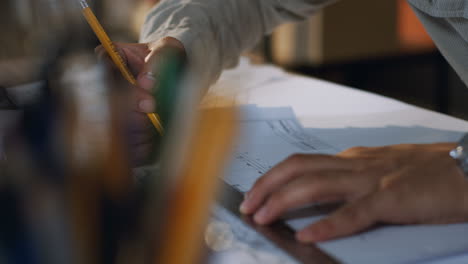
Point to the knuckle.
(364, 165)
(318, 182)
(357, 149)
(278, 200)
(172, 42)
(387, 184)
(310, 194)
(385, 148)
(296, 160)
(354, 216)
(293, 165)
(260, 183)
(389, 165)
(391, 184)
(305, 192)
(167, 40)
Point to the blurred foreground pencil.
(189, 206)
(115, 56)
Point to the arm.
(215, 32)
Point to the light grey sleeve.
(215, 32)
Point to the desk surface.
(346, 117)
(321, 104)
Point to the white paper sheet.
(457, 259)
(271, 134)
(267, 137)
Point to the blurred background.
(378, 46)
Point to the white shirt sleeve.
(215, 32)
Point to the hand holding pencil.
(138, 57)
(135, 59)
(143, 100)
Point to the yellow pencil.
(115, 56)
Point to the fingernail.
(146, 106)
(150, 76)
(244, 207)
(261, 217)
(147, 80)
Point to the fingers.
(147, 76)
(133, 54)
(144, 101)
(303, 191)
(139, 122)
(287, 170)
(135, 58)
(141, 136)
(140, 128)
(144, 62)
(142, 139)
(141, 154)
(351, 218)
(386, 184)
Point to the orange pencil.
(189, 206)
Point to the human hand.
(400, 184)
(142, 60)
